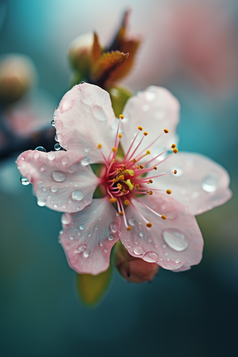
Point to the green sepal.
(92, 288)
(119, 97)
(77, 78)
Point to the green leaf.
(92, 288)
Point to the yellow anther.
(119, 186)
(140, 128)
(133, 160)
(155, 167)
(147, 152)
(169, 192)
(166, 131)
(129, 228)
(124, 166)
(120, 136)
(121, 213)
(121, 116)
(163, 216)
(175, 151)
(175, 171)
(145, 133)
(121, 177)
(99, 146)
(114, 149)
(149, 225)
(136, 185)
(150, 181)
(127, 202)
(119, 170)
(123, 190)
(173, 146)
(113, 200)
(150, 192)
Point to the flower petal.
(89, 235)
(200, 182)
(83, 121)
(59, 179)
(155, 109)
(171, 243)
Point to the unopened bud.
(134, 270)
(17, 76)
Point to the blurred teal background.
(191, 48)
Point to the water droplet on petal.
(36, 154)
(175, 239)
(54, 188)
(66, 218)
(110, 237)
(82, 248)
(86, 253)
(85, 161)
(58, 176)
(65, 160)
(106, 250)
(43, 168)
(40, 148)
(177, 261)
(77, 195)
(24, 181)
(141, 234)
(52, 122)
(81, 227)
(132, 221)
(98, 113)
(51, 155)
(138, 250)
(41, 201)
(210, 183)
(150, 95)
(151, 257)
(87, 149)
(101, 243)
(114, 227)
(57, 147)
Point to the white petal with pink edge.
(59, 179)
(155, 109)
(83, 121)
(200, 183)
(171, 243)
(88, 236)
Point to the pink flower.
(64, 181)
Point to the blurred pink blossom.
(137, 206)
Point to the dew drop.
(138, 250)
(44, 189)
(57, 147)
(65, 160)
(40, 148)
(106, 250)
(36, 154)
(24, 181)
(86, 253)
(177, 261)
(175, 239)
(141, 234)
(114, 227)
(58, 176)
(99, 113)
(101, 243)
(54, 188)
(51, 155)
(77, 195)
(82, 248)
(71, 238)
(52, 122)
(85, 161)
(210, 183)
(66, 218)
(110, 237)
(81, 227)
(150, 95)
(132, 221)
(87, 149)
(151, 257)
(41, 202)
(43, 168)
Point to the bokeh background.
(190, 47)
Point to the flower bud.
(80, 52)
(134, 270)
(17, 76)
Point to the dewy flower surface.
(138, 207)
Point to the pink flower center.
(127, 178)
